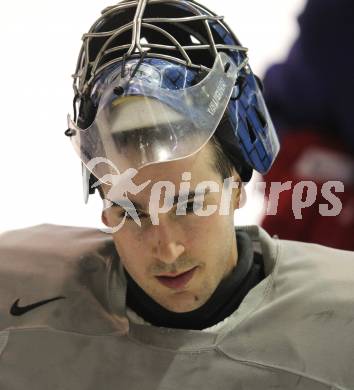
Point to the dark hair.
(221, 163)
(228, 152)
(99, 189)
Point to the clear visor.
(147, 123)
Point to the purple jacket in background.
(314, 87)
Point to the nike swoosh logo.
(20, 310)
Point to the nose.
(167, 247)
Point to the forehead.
(200, 166)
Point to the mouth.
(177, 282)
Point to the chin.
(182, 304)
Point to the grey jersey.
(294, 330)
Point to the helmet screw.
(70, 132)
(119, 91)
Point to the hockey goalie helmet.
(153, 81)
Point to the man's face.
(179, 262)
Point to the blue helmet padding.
(253, 128)
(173, 78)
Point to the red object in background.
(310, 156)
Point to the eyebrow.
(126, 203)
(191, 195)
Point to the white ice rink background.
(40, 179)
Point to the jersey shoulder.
(66, 266)
(304, 319)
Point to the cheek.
(213, 226)
(204, 237)
(213, 240)
(132, 252)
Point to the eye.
(189, 208)
(140, 214)
(197, 205)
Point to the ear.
(242, 197)
(237, 194)
(104, 218)
(104, 214)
